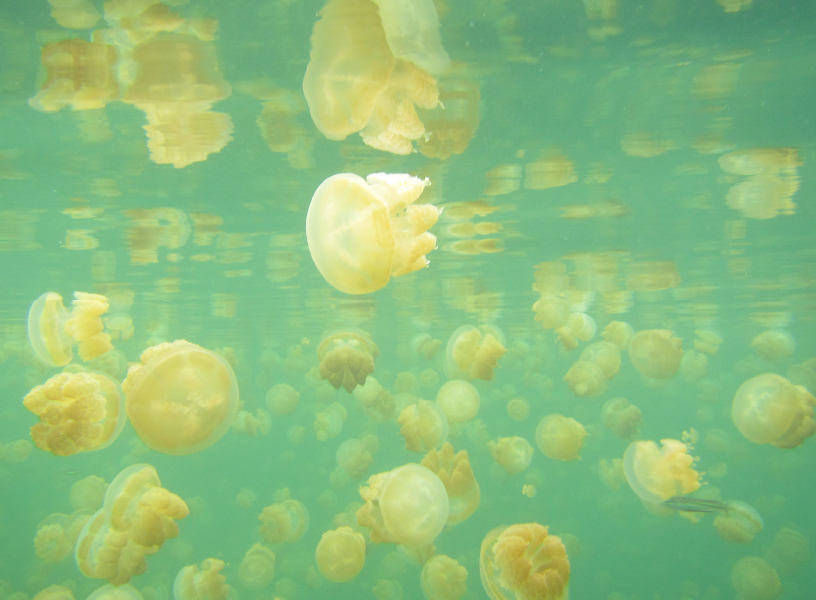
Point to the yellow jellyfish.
(257, 569)
(354, 458)
(456, 474)
(459, 401)
(524, 562)
(607, 355)
(181, 398)
(579, 326)
(346, 358)
(611, 473)
(423, 425)
(740, 523)
(694, 366)
(473, 353)
(789, 552)
(246, 497)
(378, 403)
(282, 399)
(205, 583)
(513, 454)
(329, 422)
(54, 592)
(285, 521)
(116, 592)
(774, 344)
(361, 232)
(88, 493)
(621, 418)
(340, 554)
(754, 578)
(586, 379)
(443, 578)
(560, 437)
(656, 474)
(52, 542)
(656, 353)
(619, 333)
(52, 330)
(79, 412)
(769, 409)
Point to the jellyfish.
(524, 561)
(518, 408)
(621, 418)
(656, 474)
(328, 423)
(551, 311)
(246, 497)
(459, 401)
(619, 333)
(513, 454)
(456, 474)
(54, 592)
(425, 345)
(346, 358)
(361, 232)
(340, 554)
(282, 399)
(252, 425)
(257, 569)
(579, 326)
(354, 458)
(656, 353)
(560, 437)
(285, 521)
(88, 493)
(52, 543)
(473, 353)
(79, 412)
(206, 583)
(611, 473)
(754, 578)
(774, 344)
(739, 524)
(604, 354)
(769, 409)
(423, 425)
(443, 578)
(116, 592)
(378, 403)
(586, 379)
(52, 330)
(789, 552)
(181, 398)
(694, 366)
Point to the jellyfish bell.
(774, 344)
(739, 524)
(116, 592)
(586, 379)
(423, 425)
(346, 358)
(754, 578)
(257, 568)
(340, 554)
(205, 583)
(443, 578)
(513, 454)
(459, 400)
(656, 353)
(656, 474)
(560, 437)
(474, 352)
(282, 399)
(456, 474)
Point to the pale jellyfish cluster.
(378, 403)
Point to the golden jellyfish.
(328, 423)
(346, 358)
(524, 562)
(55, 592)
(378, 403)
(88, 493)
(518, 408)
(246, 497)
(459, 400)
(656, 474)
(205, 583)
(621, 418)
(739, 524)
(694, 366)
(769, 409)
(354, 458)
(656, 353)
(456, 474)
(52, 543)
(473, 353)
(282, 399)
(423, 425)
(707, 341)
(560, 437)
(340, 554)
(754, 578)
(425, 345)
(181, 398)
(586, 379)
(774, 344)
(619, 333)
(361, 232)
(607, 355)
(52, 330)
(116, 592)
(79, 412)
(579, 326)
(443, 578)
(285, 521)
(257, 568)
(513, 454)
(412, 30)
(137, 517)
(789, 552)
(551, 311)
(611, 473)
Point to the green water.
(643, 110)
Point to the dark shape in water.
(701, 505)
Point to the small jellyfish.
(579, 326)
(257, 569)
(282, 399)
(524, 561)
(329, 422)
(611, 473)
(378, 403)
(694, 366)
(656, 353)
(340, 554)
(246, 497)
(459, 401)
(619, 333)
(346, 358)
(518, 408)
(79, 412)
(513, 454)
(456, 474)
(88, 493)
(52, 330)
(206, 583)
(252, 425)
(53, 592)
(621, 418)
(285, 521)
(739, 524)
(425, 345)
(754, 578)
(774, 344)
(354, 458)
(551, 311)
(423, 425)
(789, 552)
(51, 543)
(560, 437)
(361, 232)
(586, 379)
(769, 409)
(443, 578)
(116, 592)
(473, 353)
(181, 398)
(607, 355)
(656, 474)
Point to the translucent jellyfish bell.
(656, 353)
(473, 353)
(414, 505)
(656, 474)
(740, 523)
(340, 554)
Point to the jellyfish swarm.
(443, 578)
(206, 583)
(456, 474)
(361, 232)
(52, 330)
(79, 412)
(656, 474)
(473, 353)
(138, 515)
(346, 358)
(181, 398)
(524, 562)
(340, 554)
(769, 409)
